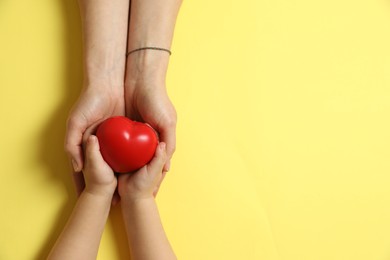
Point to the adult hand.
(151, 24)
(152, 105)
(149, 103)
(94, 105)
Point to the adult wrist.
(107, 71)
(104, 86)
(103, 81)
(146, 66)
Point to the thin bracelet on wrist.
(149, 48)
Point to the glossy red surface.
(126, 145)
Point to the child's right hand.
(99, 177)
(143, 183)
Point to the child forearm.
(81, 236)
(146, 235)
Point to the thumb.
(159, 159)
(92, 151)
(168, 136)
(73, 140)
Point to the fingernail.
(75, 166)
(162, 146)
(92, 138)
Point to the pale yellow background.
(283, 136)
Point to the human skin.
(145, 232)
(152, 24)
(102, 95)
(115, 86)
(81, 236)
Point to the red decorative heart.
(126, 145)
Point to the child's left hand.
(99, 177)
(144, 183)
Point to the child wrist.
(135, 200)
(129, 207)
(100, 192)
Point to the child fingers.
(161, 154)
(93, 150)
(159, 183)
(160, 158)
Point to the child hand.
(99, 177)
(144, 183)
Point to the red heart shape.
(126, 145)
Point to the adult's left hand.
(149, 103)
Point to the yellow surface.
(283, 135)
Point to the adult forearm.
(146, 236)
(105, 24)
(152, 24)
(81, 236)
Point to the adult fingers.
(90, 130)
(79, 183)
(168, 136)
(73, 140)
(115, 198)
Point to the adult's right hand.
(94, 105)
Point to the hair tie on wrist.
(149, 48)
